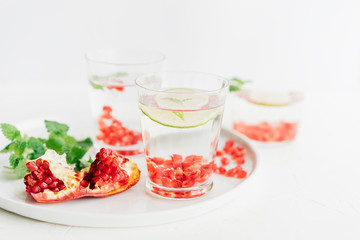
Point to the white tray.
(133, 207)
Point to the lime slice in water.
(181, 99)
(272, 98)
(180, 119)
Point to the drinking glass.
(113, 97)
(181, 117)
(267, 112)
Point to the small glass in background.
(266, 112)
(113, 96)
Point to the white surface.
(131, 208)
(308, 189)
(305, 40)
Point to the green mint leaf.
(179, 114)
(77, 153)
(56, 128)
(96, 86)
(69, 157)
(21, 169)
(55, 143)
(37, 146)
(71, 141)
(14, 160)
(10, 131)
(8, 148)
(233, 88)
(238, 81)
(83, 164)
(86, 143)
(19, 147)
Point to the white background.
(312, 41)
(305, 190)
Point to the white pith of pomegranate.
(51, 179)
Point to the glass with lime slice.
(181, 115)
(267, 113)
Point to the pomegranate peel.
(51, 179)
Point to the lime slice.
(272, 98)
(181, 99)
(180, 119)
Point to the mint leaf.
(86, 143)
(10, 131)
(21, 169)
(14, 160)
(56, 128)
(37, 146)
(8, 148)
(233, 88)
(77, 153)
(96, 86)
(179, 114)
(55, 143)
(19, 147)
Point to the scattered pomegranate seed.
(237, 154)
(266, 132)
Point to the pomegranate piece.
(266, 132)
(51, 179)
(113, 133)
(237, 154)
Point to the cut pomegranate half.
(51, 179)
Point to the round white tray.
(133, 207)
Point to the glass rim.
(88, 56)
(225, 86)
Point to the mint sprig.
(23, 148)
(236, 84)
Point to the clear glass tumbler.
(267, 112)
(113, 97)
(181, 117)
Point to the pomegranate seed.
(222, 170)
(46, 164)
(84, 183)
(43, 185)
(61, 186)
(31, 166)
(48, 180)
(219, 153)
(53, 185)
(104, 176)
(39, 162)
(225, 161)
(35, 189)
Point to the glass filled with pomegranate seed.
(181, 117)
(113, 97)
(266, 113)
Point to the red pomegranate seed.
(84, 183)
(53, 185)
(225, 161)
(222, 170)
(104, 176)
(219, 153)
(61, 186)
(31, 166)
(43, 185)
(35, 189)
(230, 173)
